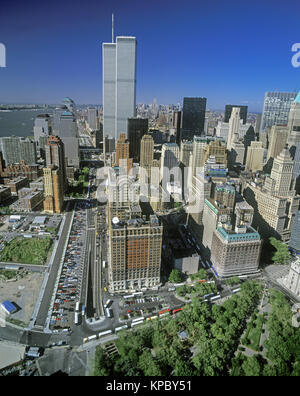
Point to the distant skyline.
(229, 52)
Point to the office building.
(236, 252)
(123, 153)
(255, 156)
(295, 234)
(134, 253)
(68, 133)
(136, 129)
(170, 162)
(92, 118)
(28, 151)
(10, 148)
(243, 112)
(55, 155)
(186, 149)
(53, 190)
(276, 108)
(193, 117)
(278, 139)
(294, 123)
(234, 126)
(177, 125)
(119, 85)
(274, 199)
(214, 214)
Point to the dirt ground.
(24, 293)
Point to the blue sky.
(228, 51)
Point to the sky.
(230, 52)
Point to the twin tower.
(119, 84)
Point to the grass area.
(27, 251)
(7, 274)
(253, 332)
(16, 322)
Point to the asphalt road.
(45, 304)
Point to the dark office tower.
(136, 129)
(177, 125)
(243, 112)
(193, 117)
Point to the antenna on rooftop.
(112, 30)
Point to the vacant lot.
(27, 251)
(24, 293)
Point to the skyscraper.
(55, 156)
(137, 128)
(54, 190)
(193, 117)
(243, 112)
(92, 118)
(234, 126)
(119, 85)
(255, 155)
(276, 108)
(123, 154)
(69, 135)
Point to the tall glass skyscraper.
(193, 117)
(119, 85)
(276, 108)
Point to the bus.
(176, 310)
(138, 319)
(121, 328)
(164, 311)
(138, 294)
(91, 338)
(235, 290)
(77, 307)
(215, 297)
(104, 333)
(129, 296)
(76, 320)
(208, 295)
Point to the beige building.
(134, 253)
(275, 201)
(278, 139)
(54, 190)
(234, 126)
(235, 253)
(255, 157)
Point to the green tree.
(251, 367)
(175, 276)
(282, 254)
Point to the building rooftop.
(232, 236)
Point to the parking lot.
(141, 305)
(69, 285)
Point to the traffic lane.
(45, 304)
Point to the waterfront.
(19, 122)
